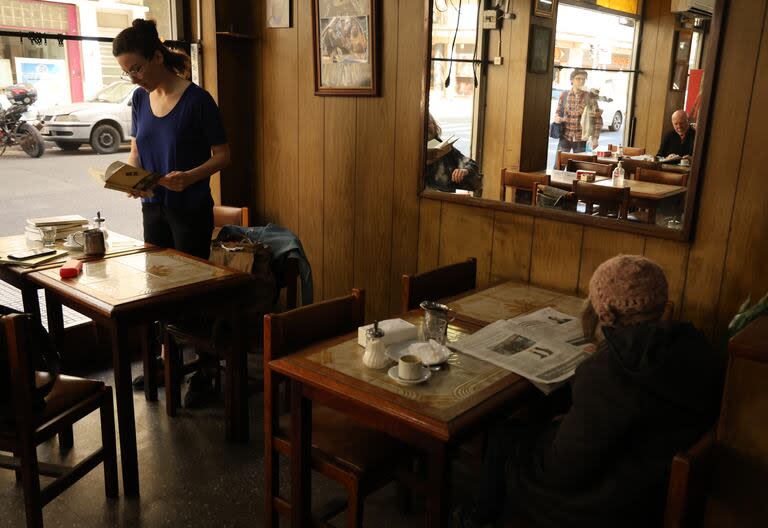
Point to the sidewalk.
(11, 297)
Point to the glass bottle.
(617, 178)
(98, 222)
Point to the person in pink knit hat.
(651, 389)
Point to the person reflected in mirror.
(449, 170)
(650, 389)
(678, 143)
(580, 115)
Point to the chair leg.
(30, 477)
(107, 413)
(66, 438)
(173, 374)
(355, 501)
(271, 486)
(17, 454)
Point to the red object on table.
(71, 268)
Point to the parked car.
(104, 121)
(613, 111)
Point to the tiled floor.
(190, 477)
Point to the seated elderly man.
(678, 142)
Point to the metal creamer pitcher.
(436, 319)
(93, 243)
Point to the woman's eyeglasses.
(132, 74)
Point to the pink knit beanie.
(628, 289)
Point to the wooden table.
(17, 275)
(564, 179)
(647, 195)
(130, 292)
(455, 403)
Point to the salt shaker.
(375, 356)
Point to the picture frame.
(544, 8)
(345, 36)
(279, 13)
(539, 49)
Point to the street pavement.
(58, 183)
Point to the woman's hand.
(176, 181)
(558, 119)
(458, 175)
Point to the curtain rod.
(38, 38)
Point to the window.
(603, 45)
(455, 71)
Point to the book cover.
(120, 176)
(31, 263)
(63, 220)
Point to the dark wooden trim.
(555, 214)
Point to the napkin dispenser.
(395, 331)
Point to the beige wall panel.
(408, 140)
(601, 244)
(728, 123)
(281, 128)
(430, 212)
(339, 196)
(672, 256)
(662, 70)
(467, 232)
(311, 152)
(646, 63)
(747, 260)
(512, 238)
(374, 169)
(555, 254)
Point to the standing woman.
(177, 132)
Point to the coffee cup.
(409, 367)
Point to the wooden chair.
(70, 400)
(721, 480)
(628, 151)
(438, 283)
(657, 176)
(360, 459)
(227, 215)
(630, 166)
(601, 169)
(611, 201)
(521, 181)
(563, 157)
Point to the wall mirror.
(534, 112)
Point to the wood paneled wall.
(344, 172)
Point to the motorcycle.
(14, 129)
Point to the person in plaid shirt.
(569, 112)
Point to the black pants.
(187, 230)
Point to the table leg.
(149, 356)
(30, 301)
(652, 213)
(438, 486)
(55, 315)
(301, 443)
(236, 397)
(125, 417)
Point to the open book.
(441, 147)
(123, 177)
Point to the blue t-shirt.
(179, 141)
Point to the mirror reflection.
(621, 140)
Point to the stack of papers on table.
(65, 225)
(31, 263)
(545, 346)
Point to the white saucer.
(425, 375)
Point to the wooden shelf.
(243, 36)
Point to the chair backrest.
(657, 176)
(630, 166)
(288, 331)
(226, 215)
(628, 151)
(521, 181)
(610, 199)
(438, 283)
(601, 169)
(563, 157)
(745, 399)
(20, 398)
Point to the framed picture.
(278, 13)
(346, 42)
(539, 50)
(544, 8)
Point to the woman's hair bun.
(145, 27)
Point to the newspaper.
(545, 346)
